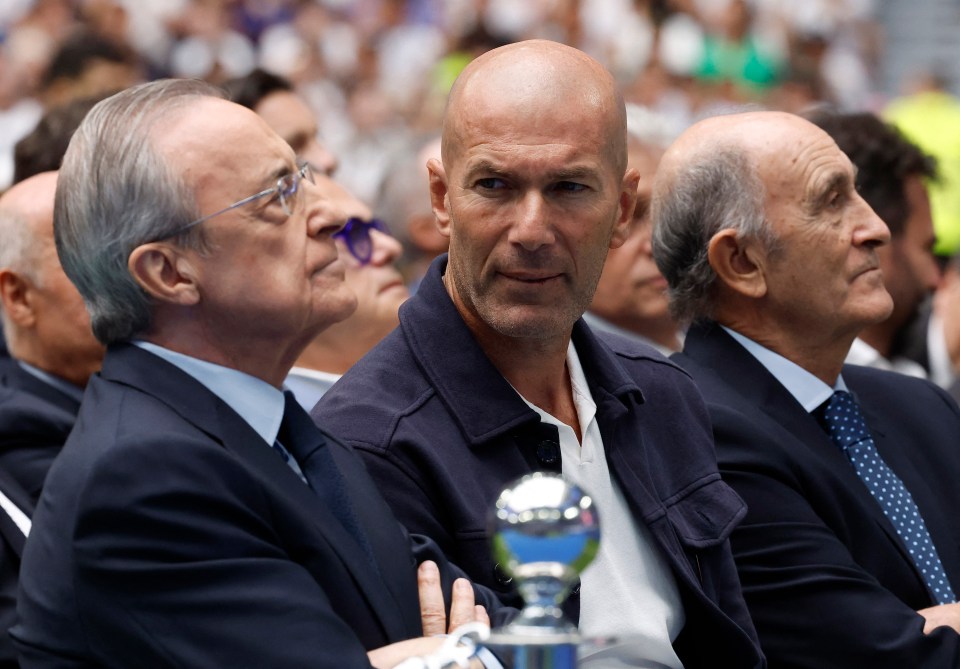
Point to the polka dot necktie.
(849, 431)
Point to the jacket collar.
(14, 376)
(478, 396)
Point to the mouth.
(530, 278)
(396, 284)
(333, 265)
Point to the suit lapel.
(734, 367)
(200, 407)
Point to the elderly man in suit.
(196, 516)
(48, 332)
(850, 552)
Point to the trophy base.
(535, 650)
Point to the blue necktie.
(300, 439)
(849, 431)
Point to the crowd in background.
(376, 72)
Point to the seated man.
(850, 552)
(492, 373)
(196, 517)
(48, 332)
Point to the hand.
(944, 615)
(433, 615)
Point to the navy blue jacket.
(169, 534)
(441, 432)
(828, 582)
(35, 420)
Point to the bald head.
(26, 221)
(535, 77)
(759, 137)
(45, 321)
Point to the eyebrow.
(563, 174)
(837, 181)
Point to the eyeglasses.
(286, 190)
(356, 235)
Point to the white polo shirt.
(628, 591)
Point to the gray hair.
(18, 253)
(116, 192)
(717, 190)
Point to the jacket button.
(501, 576)
(548, 452)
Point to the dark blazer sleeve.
(814, 605)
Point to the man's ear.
(16, 295)
(165, 272)
(439, 195)
(628, 202)
(738, 263)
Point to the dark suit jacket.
(827, 581)
(170, 535)
(35, 420)
(11, 550)
(442, 432)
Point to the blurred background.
(376, 72)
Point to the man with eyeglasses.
(493, 373)
(196, 516)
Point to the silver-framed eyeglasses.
(286, 190)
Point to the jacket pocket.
(705, 515)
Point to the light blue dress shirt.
(807, 389)
(254, 400)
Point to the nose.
(321, 159)
(324, 215)
(531, 228)
(870, 231)
(386, 249)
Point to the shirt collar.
(807, 389)
(582, 398)
(64, 386)
(253, 399)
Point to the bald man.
(48, 332)
(492, 373)
(850, 552)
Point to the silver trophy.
(545, 531)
